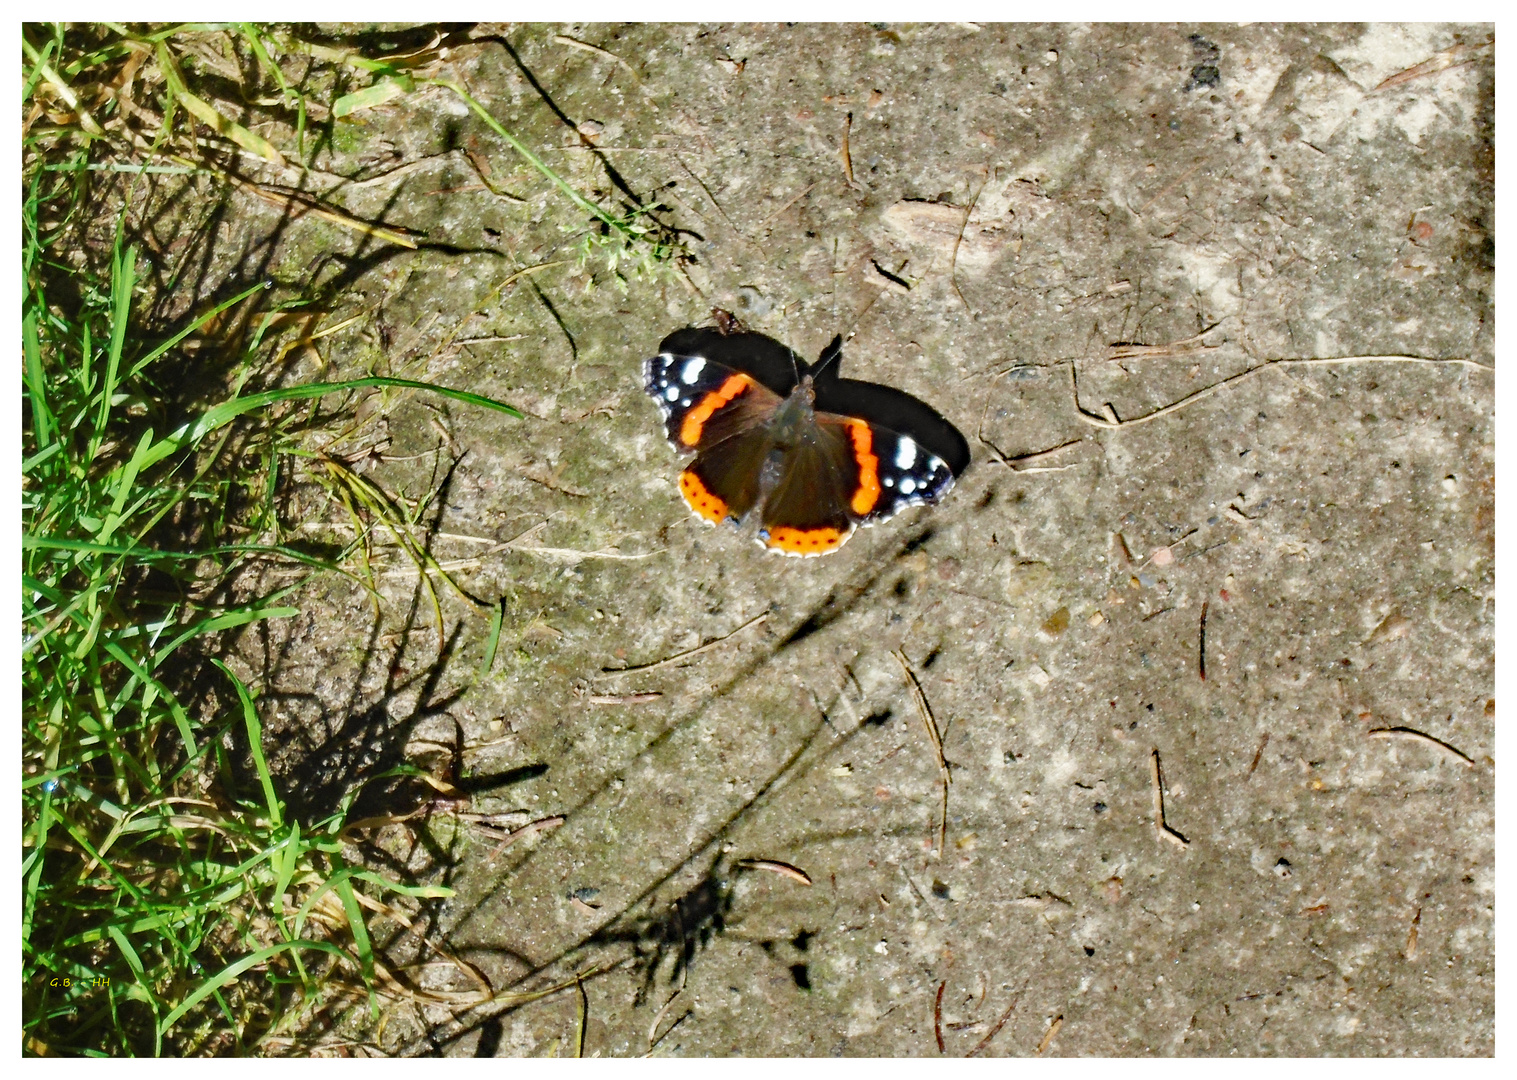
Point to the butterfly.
(809, 455)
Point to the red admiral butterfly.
(814, 454)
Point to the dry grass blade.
(1127, 350)
(529, 829)
(209, 115)
(482, 992)
(359, 496)
(1440, 61)
(794, 873)
(1111, 420)
(688, 652)
(931, 724)
(1419, 736)
(1053, 1029)
(585, 46)
(995, 1029)
(61, 88)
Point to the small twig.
(624, 699)
(516, 834)
(1111, 420)
(1201, 660)
(1418, 736)
(1161, 826)
(936, 738)
(1411, 936)
(937, 1017)
(1263, 742)
(297, 203)
(495, 292)
(688, 652)
(995, 1029)
(575, 43)
(574, 555)
(1053, 1029)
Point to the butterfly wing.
(706, 406)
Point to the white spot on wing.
(692, 369)
(672, 393)
(908, 485)
(905, 453)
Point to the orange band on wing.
(695, 419)
(868, 491)
(701, 501)
(805, 541)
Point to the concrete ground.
(1052, 234)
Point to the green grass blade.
(36, 384)
(123, 280)
(228, 411)
(155, 353)
(222, 622)
(227, 975)
(497, 617)
(255, 744)
(344, 889)
(385, 89)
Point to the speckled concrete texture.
(1238, 282)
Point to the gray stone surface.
(1042, 192)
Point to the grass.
(154, 877)
(170, 904)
